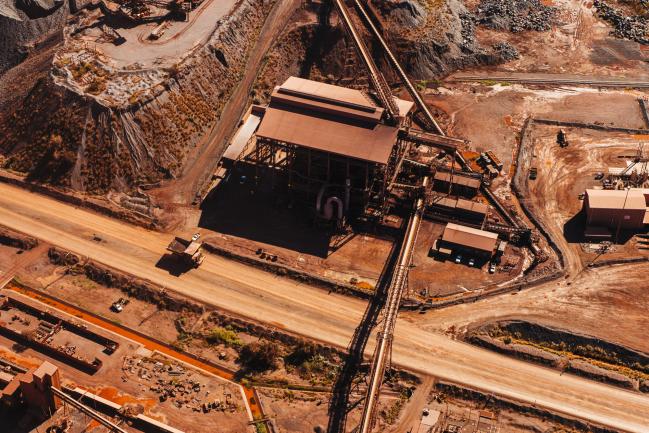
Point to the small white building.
(429, 421)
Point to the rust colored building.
(330, 145)
(616, 209)
(462, 239)
(33, 389)
(458, 183)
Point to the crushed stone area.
(516, 15)
(632, 27)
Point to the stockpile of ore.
(624, 27)
(515, 15)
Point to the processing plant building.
(331, 145)
(616, 209)
(474, 242)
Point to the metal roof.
(470, 237)
(331, 119)
(177, 245)
(404, 106)
(371, 115)
(616, 199)
(244, 133)
(317, 132)
(46, 368)
(472, 206)
(316, 91)
(193, 248)
(457, 179)
(441, 201)
(460, 203)
(327, 92)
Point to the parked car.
(492, 267)
(458, 258)
(599, 175)
(533, 173)
(471, 262)
(118, 306)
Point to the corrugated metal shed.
(329, 135)
(243, 134)
(472, 206)
(470, 237)
(446, 202)
(337, 95)
(616, 199)
(330, 119)
(457, 179)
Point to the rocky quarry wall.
(23, 23)
(433, 39)
(430, 39)
(67, 138)
(59, 136)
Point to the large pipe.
(348, 193)
(318, 200)
(395, 293)
(328, 209)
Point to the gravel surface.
(506, 51)
(624, 27)
(315, 313)
(515, 15)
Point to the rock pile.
(515, 15)
(506, 51)
(468, 42)
(624, 27)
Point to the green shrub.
(225, 336)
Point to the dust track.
(315, 313)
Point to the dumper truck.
(188, 251)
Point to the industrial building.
(616, 209)
(456, 183)
(330, 145)
(458, 239)
(457, 209)
(30, 387)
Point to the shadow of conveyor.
(340, 405)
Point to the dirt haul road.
(204, 156)
(314, 313)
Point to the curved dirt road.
(314, 313)
(203, 158)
